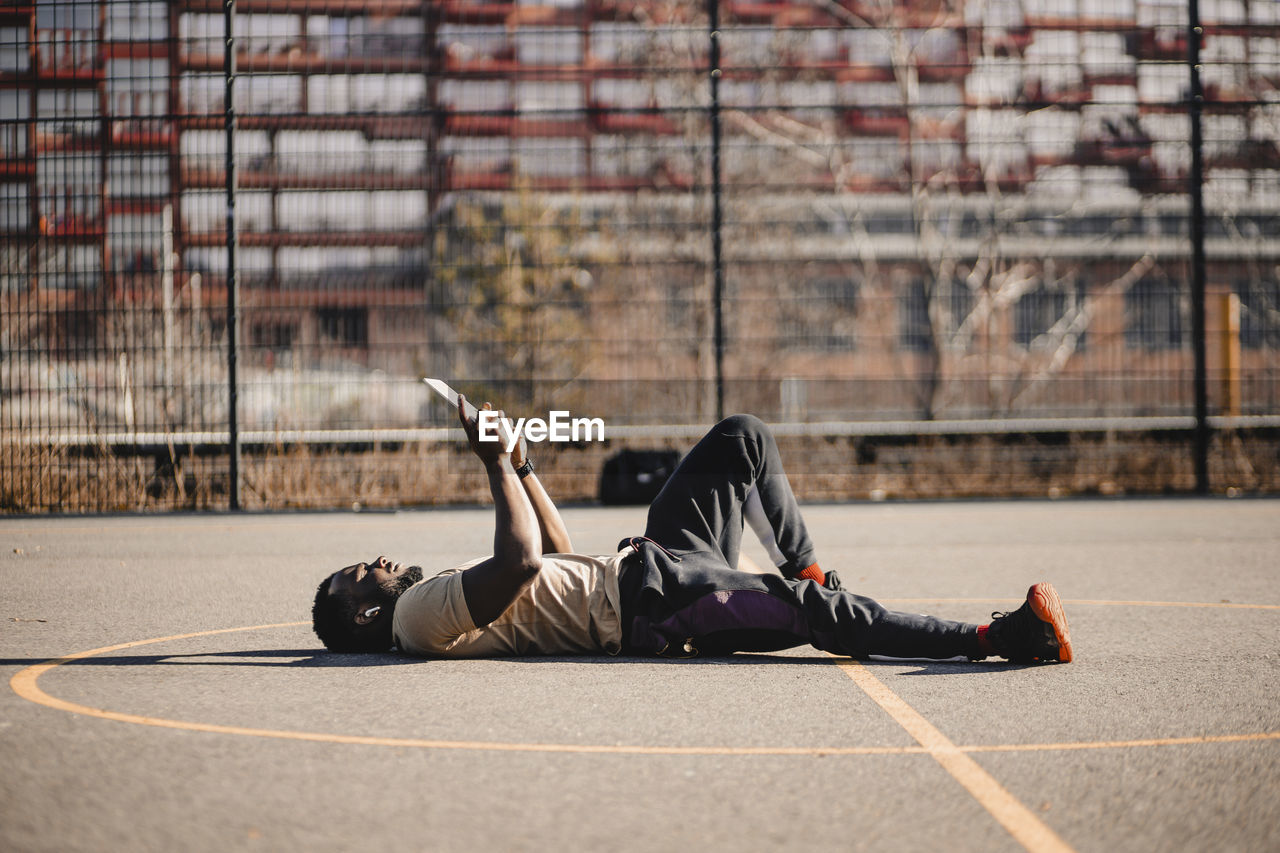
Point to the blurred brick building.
(924, 192)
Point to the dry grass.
(50, 480)
(55, 479)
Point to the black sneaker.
(1034, 633)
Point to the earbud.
(372, 612)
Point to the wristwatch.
(525, 470)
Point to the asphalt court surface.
(166, 693)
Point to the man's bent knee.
(745, 424)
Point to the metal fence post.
(717, 218)
(233, 276)
(1195, 104)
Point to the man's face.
(365, 581)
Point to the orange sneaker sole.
(1046, 604)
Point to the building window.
(137, 20)
(15, 208)
(820, 315)
(915, 327)
(134, 242)
(136, 175)
(70, 193)
(1259, 313)
(74, 267)
(15, 116)
(67, 37)
(1049, 310)
(376, 36)
(347, 327)
(465, 44)
(15, 55)
(627, 43)
(914, 330)
(551, 158)
(1153, 315)
(548, 46)
(66, 115)
(138, 96)
(67, 14)
(278, 335)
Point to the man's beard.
(393, 589)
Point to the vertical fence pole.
(233, 275)
(717, 217)
(1195, 104)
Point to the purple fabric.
(723, 610)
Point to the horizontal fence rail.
(149, 442)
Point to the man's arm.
(492, 585)
(555, 537)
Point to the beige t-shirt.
(571, 607)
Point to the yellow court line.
(1228, 605)
(212, 524)
(253, 520)
(28, 690)
(1091, 601)
(25, 684)
(1031, 832)
(1121, 744)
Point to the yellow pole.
(1230, 340)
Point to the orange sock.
(984, 642)
(812, 573)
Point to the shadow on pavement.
(302, 658)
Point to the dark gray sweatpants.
(681, 592)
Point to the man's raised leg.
(701, 506)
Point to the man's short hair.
(333, 617)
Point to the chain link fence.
(947, 248)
